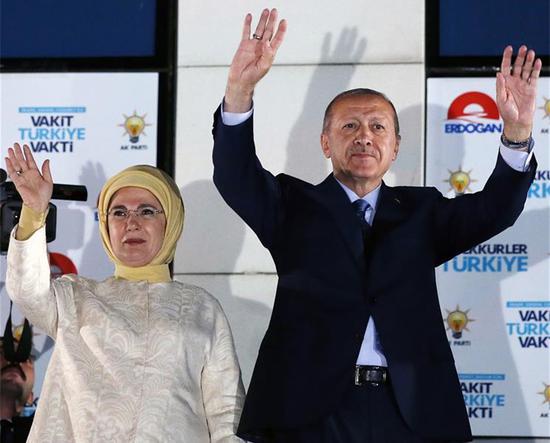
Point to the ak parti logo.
(473, 112)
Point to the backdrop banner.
(495, 298)
(90, 126)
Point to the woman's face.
(136, 230)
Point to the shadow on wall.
(94, 262)
(213, 233)
(407, 168)
(305, 159)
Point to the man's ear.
(396, 149)
(325, 145)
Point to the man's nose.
(363, 137)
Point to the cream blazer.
(132, 362)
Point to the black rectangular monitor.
(68, 35)
(40, 36)
(468, 36)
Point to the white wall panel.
(320, 31)
(247, 301)
(290, 103)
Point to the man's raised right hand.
(253, 60)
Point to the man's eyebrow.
(352, 114)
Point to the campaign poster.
(90, 126)
(495, 298)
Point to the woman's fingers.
(11, 167)
(46, 172)
(18, 159)
(29, 157)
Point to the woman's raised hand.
(33, 185)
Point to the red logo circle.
(457, 110)
(61, 264)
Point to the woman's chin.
(134, 263)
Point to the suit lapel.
(331, 195)
(390, 211)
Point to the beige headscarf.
(167, 193)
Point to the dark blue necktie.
(360, 207)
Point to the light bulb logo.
(545, 393)
(460, 181)
(134, 126)
(457, 321)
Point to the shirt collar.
(371, 198)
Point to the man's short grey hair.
(359, 92)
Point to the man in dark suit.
(355, 260)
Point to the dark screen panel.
(77, 29)
(467, 37)
(484, 28)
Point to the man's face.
(360, 140)
(17, 379)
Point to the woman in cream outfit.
(138, 357)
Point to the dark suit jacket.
(329, 286)
(18, 431)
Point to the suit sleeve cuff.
(517, 159)
(235, 118)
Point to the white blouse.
(133, 361)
